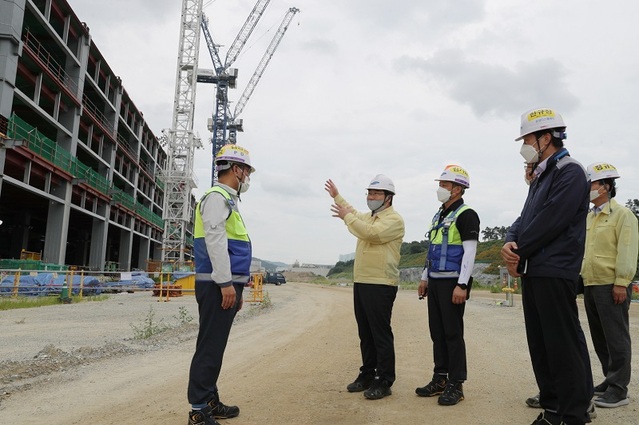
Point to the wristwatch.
(463, 286)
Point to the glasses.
(375, 193)
(245, 170)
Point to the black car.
(274, 277)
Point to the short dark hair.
(557, 142)
(389, 193)
(463, 188)
(612, 186)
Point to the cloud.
(386, 15)
(321, 46)
(494, 89)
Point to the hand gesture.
(340, 211)
(331, 188)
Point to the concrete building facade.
(80, 169)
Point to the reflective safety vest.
(445, 251)
(239, 244)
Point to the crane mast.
(181, 141)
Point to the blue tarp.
(139, 280)
(46, 284)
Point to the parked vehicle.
(276, 278)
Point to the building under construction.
(80, 169)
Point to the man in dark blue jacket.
(545, 246)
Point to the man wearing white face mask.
(446, 282)
(610, 263)
(545, 247)
(223, 252)
(379, 234)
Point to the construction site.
(85, 183)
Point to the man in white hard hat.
(610, 264)
(222, 251)
(446, 282)
(379, 234)
(545, 247)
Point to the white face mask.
(594, 194)
(245, 185)
(374, 204)
(443, 195)
(529, 153)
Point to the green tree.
(340, 266)
(494, 233)
(413, 247)
(633, 205)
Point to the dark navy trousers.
(215, 326)
(557, 346)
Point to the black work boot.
(379, 389)
(202, 417)
(453, 394)
(435, 387)
(361, 383)
(220, 410)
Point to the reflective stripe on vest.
(445, 251)
(239, 244)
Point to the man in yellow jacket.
(376, 275)
(610, 263)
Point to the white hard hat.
(382, 182)
(233, 153)
(541, 119)
(456, 174)
(602, 171)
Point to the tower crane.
(180, 140)
(225, 77)
(235, 124)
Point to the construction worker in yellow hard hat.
(223, 253)
(609, 265)
(446, 282)
(545, 247)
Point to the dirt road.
(288, 364)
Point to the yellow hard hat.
(456, 174)
(233, 153)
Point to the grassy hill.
(487, 252)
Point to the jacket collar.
(552, 161)
(228, 189)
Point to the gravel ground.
(286, 363)
(37, 342)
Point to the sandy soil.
(77, 364)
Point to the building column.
(143, 252)
(11, 18)
(126, 246)
(55, 240)
(99, 233)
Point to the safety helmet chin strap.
(383, 206)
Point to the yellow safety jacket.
(445, 252)
(239, 244)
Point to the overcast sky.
(403, 88)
